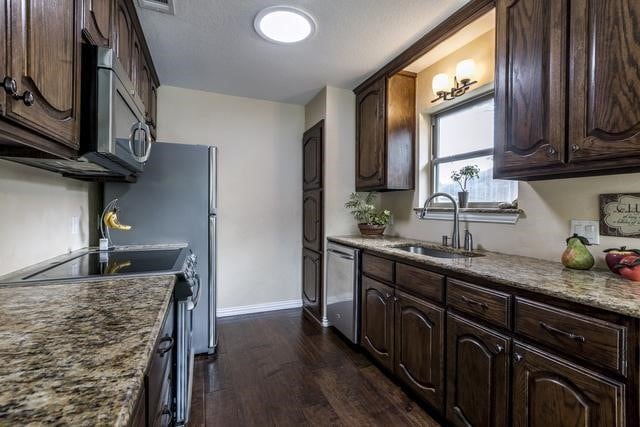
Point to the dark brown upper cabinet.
(43, 72)
(378, 321)
(137, 59)
(312, 158)
(385, 134)
(419, 347)
(312, 282)
(96, 21)
(567, 88)
(312, 220)
(123, 35)
(548, 391)
(604, 81)
(477, 375)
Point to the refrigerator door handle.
(213, 180)
(213, 330)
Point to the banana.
(115, 267)
(106, 218)
(112, 221)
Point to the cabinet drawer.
(422, 282)
(487, 304)
(594, 340)
(377, 267)
(160, 367)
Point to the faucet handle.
(445, 240)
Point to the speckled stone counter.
(595, 288)
(75, 353)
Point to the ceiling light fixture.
(284, 24)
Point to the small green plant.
(365, 212)
(464, 175)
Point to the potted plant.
(462, 177)
(371, 221)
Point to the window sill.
(492, 215)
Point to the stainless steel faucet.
(455, 237)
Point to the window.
(462, 136)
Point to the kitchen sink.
(437, 253)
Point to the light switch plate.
(588, 229)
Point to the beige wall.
(259, 184)
(36, 208)
(549, 205)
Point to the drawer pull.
(163, 350)
(557, 331)
(474, 303)
(499, 348)
(517, 357)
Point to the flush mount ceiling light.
(284, 24)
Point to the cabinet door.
(144, 85)
(312, 220)
(370, 138)
(377, 321)
(312, 157)
(477, 374)
(548, 391)
(419, 347)
(123, 35)
(44, 55)
(136, 62)
(312, 281)
(96, 21)
(604, 102)
(530, 85)
(153, 103)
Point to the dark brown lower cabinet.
(139, 417)
(477, 375)
(377, 321)
(548, 391)
(312, 282)
(419, 347)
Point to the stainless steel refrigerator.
(175, 201)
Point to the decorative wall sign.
(620, 215)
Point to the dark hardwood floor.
(281, 369)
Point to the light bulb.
(465, 70)
(440, 83)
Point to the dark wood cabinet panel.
(377, 321)
(385, 134)
(312, 152)
(137, 60)
(604, 83)
(477, 374)
(153, 106)
(548, 391)
(593, 340)
(378, 267)
(144, 87)
(139, 417)
(419, 347)
(422, 282)
(312, 234)
(44, 60)
(486, 304)
(370, 138)
(123, 35)
(312, 281)
(96, 21)
(530, 85)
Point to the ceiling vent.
(164, 6)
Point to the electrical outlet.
(588, 229)
(75, 225)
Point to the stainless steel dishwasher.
(343, 290)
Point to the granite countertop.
(75, 353)
(595, 288)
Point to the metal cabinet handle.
(551, 152)
(499, 348)
(387, 295)
(164, 350)
(475, 303)
(570, 335)
(517, 357)
(11, 88)
(575, 148)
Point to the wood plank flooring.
(280, 369)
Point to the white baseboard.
(259, 308)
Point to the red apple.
(615, 255)
(629, 267)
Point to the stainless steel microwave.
(115, 140)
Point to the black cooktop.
(94, 264)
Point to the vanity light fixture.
(284, 24)
(442, 87)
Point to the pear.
(577, 256)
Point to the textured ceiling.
(211, 44)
